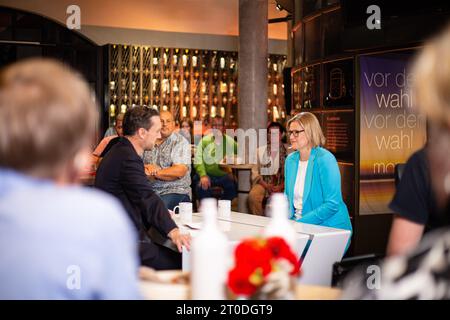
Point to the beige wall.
(209, 24)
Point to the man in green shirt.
(212, 148)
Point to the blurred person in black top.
(414, 204)
(122, 173)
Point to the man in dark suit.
(122, 173)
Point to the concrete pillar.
(252, 85)
(253, 54)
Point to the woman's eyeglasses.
(294, 132)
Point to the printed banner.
(390, 130)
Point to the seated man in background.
(210, 151)
(168, 163)
(107, 142)
(116, 130)
(57, 240)
(268, 173)
(122, 174)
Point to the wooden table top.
(161, 291)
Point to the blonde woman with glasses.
(312, 177)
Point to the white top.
(299, 187)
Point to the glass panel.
(338, 84)
(28, 27)
(7, 54)
(310, 86)
(311, 6)
(298, 46)
(339, 128)
(5, 26)
(296, 91)
(332, 31)
(312, 40)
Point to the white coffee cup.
(224, 208)
(185, 211)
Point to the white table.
(326, 245)
(235, 232)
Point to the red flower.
(255, 254)
(281, 250)
(239, 281)
(255, 259)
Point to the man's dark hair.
(138, 117)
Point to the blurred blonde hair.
(47, 116)
(312, 128)
(431, 92)
(431, 70)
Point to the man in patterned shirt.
(168, 164)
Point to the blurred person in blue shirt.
(57, 240)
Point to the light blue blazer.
(322, 197)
